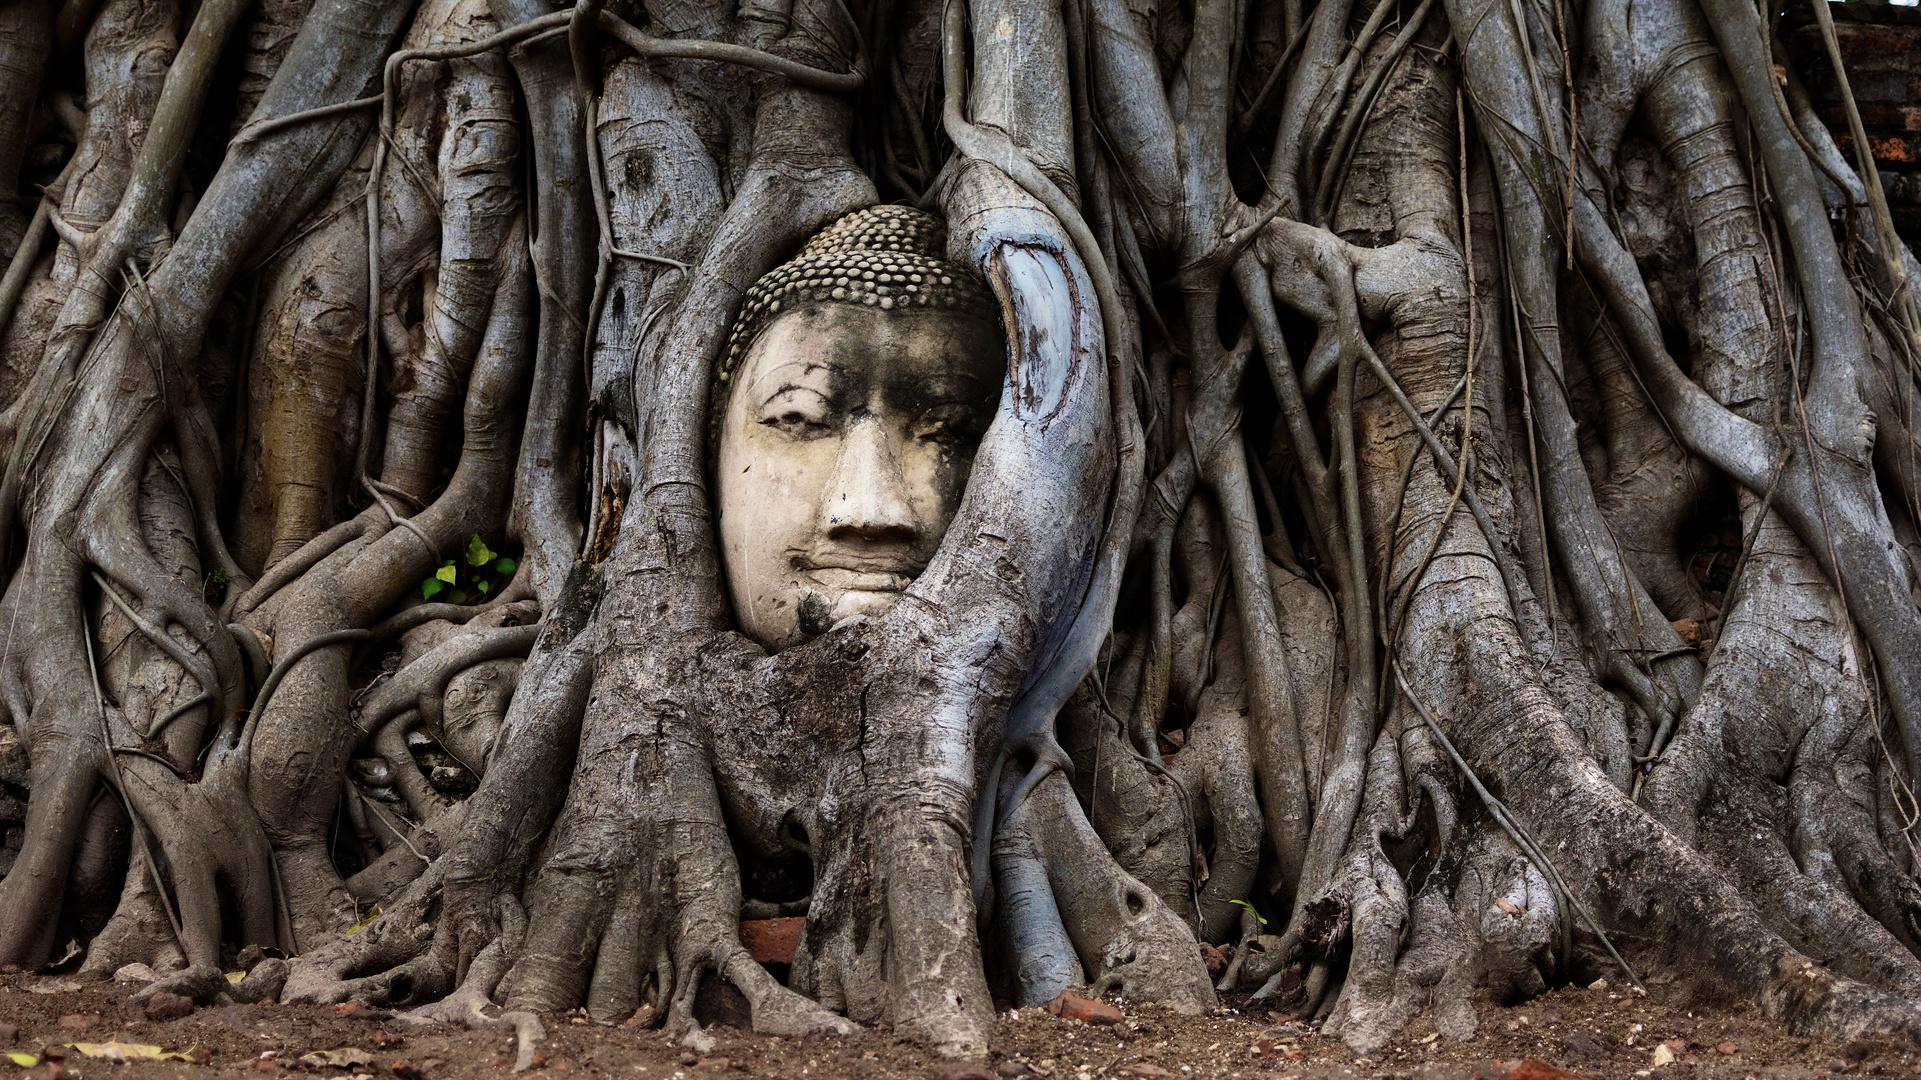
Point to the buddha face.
(844, 451)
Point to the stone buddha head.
(857, 384)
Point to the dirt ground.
(1592, 1033)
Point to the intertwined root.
(1397, 672)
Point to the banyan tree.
(1416, 496)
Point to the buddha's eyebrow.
(955, 386)
(813, 375)
(787, 387)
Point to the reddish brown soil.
(1591, 1033)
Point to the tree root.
(1494, 257)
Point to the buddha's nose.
(867, 496)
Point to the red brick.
(1883, 41)
(772, 941)
(163, 1006)
(1086, 1010)
(1895, 150)
(1215, 959)
(1883, 116)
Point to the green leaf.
(431, 586)
(362, 924)
(1250, 908)
(25, 1061)
(504, 565)
(447, 573)
(481, 585)
(478, 554)
(456, 596)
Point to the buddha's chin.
(863, 602)
(819, 610)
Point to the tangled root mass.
(1452, 519)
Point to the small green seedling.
(480, 571)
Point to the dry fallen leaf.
(25, 1061)
(122, 1053)
(1502, 903)
(344, 1057)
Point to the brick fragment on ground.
(360, 1010)
(1215, 959)
(164, 1006)
(1086, 1010)
(1536, 1069)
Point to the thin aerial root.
(306, 557)
(286, 663)
(260, 129)
(722, 52)
(163, 641)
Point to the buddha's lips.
(855, 574)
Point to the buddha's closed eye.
(950, 424)
(797, 413)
